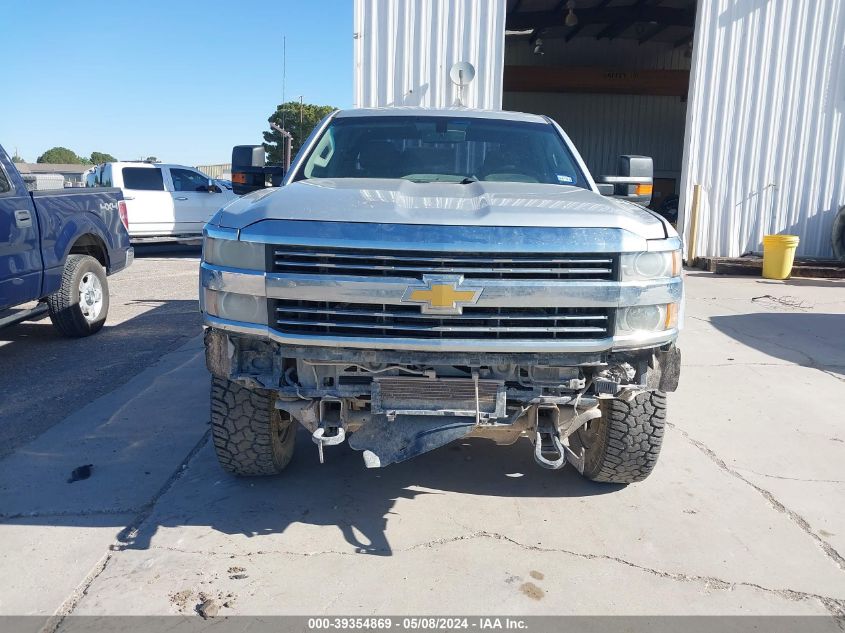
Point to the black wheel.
(251, 436)
(622, 446)
(80, 306)
(669, 209)
(837, 236)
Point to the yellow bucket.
(778, 255)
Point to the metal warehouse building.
(744, 98)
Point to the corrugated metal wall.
(405, 48)
(766, 123)
(603, 126)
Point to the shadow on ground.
(341, 493)
(357, 500)
(809, 339)
(800, 282)
(772, 284)
(46, 375)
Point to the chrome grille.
(327, 318)
(414, 264)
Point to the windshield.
(442, 149)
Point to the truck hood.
(475, 204)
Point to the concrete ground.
(153, 310)
(745, 513)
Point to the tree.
(99, 157)
(17, 159)
(151, 159)
(287, 115)
(61, 155)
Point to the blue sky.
(181, 80)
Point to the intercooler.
(438, 396)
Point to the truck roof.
(143, 164)
(502, 115)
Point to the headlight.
(235, 307)
(650, 265)
(234, 253)
(653, 318)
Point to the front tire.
(837, 236)
(251, 436)
(80, 306)
(623, 445)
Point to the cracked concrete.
(800, 521)
(382, 512)
(793, 396)
(494, 566)
(742, 516)
(816, 481)
(837, 607)
(40, 514)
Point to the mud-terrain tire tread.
(630, 437)
(251, 437)
(837, 235)
(63, 304)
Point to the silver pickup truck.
(425, 275)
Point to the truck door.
(148, 205)
(194, 203)
(20, 252)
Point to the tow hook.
(330, 431)
(548, 441)
(548, 449)
(320, 438)
(545, 443)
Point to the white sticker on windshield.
(565, 178)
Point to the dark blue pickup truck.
(56, 248)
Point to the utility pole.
(284, 72)
(288, 141)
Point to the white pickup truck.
(163, 202)
(427, 275)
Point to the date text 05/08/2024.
(417, 623)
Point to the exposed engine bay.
(396, 405)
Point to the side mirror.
(211, 187)
(635, 181)
(249, 170)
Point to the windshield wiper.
(467, 180)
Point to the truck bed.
(39, 229)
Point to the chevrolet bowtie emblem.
(441, 294)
